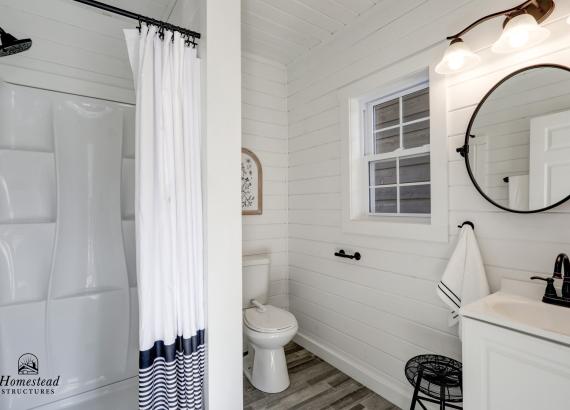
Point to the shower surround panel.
(67, 250)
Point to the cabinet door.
(504, 369)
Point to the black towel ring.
(471, 224)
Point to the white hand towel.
(518, 192)
(464, 280)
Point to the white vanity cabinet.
(505, 368)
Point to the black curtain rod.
(134, 16)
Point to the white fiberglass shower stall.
(68, 293)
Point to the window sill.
(417, 228)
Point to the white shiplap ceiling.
(158, 9)
(280, 30)
(178, 12)
(284, 30)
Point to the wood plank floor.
(315, 385)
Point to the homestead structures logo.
(28, 364)
(28, 367)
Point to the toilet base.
(266, 369)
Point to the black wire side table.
(436, 379)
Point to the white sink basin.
(523, 314)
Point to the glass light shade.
(458, 57)
(521, 31)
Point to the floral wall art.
(251, 184)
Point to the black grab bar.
(343, 254)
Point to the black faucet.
(550, 296)
(562, 260)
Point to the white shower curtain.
(168, 216)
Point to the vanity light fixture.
(457, 57)
(521, 29)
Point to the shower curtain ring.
(139, 27)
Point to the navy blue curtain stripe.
(171, 376)
(168, 352)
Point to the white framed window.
(396, 153)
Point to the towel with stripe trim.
(464, 280)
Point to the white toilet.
(267, 329)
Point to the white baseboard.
(358, 371)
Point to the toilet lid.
(272, 320)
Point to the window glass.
(399, 164)
(387, 114)
(415, 199)
(384, 200)
(416, 105)
(383, 172)
(415, 169)
(416, 134)
(387, 141)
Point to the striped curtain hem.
(172, 376)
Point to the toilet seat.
(272, 320)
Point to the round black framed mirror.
(517, 144)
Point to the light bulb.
(456, 61)
(519, 32)
(518, 38)
(458, 57)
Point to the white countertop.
(522, 314)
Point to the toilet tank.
(255, 279)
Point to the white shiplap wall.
(76, 48)
(264, 112)
(369, 317)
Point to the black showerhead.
(11, 45)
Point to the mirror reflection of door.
(549, 165)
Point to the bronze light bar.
(163, 25)
(521, 28)
(539, 9)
